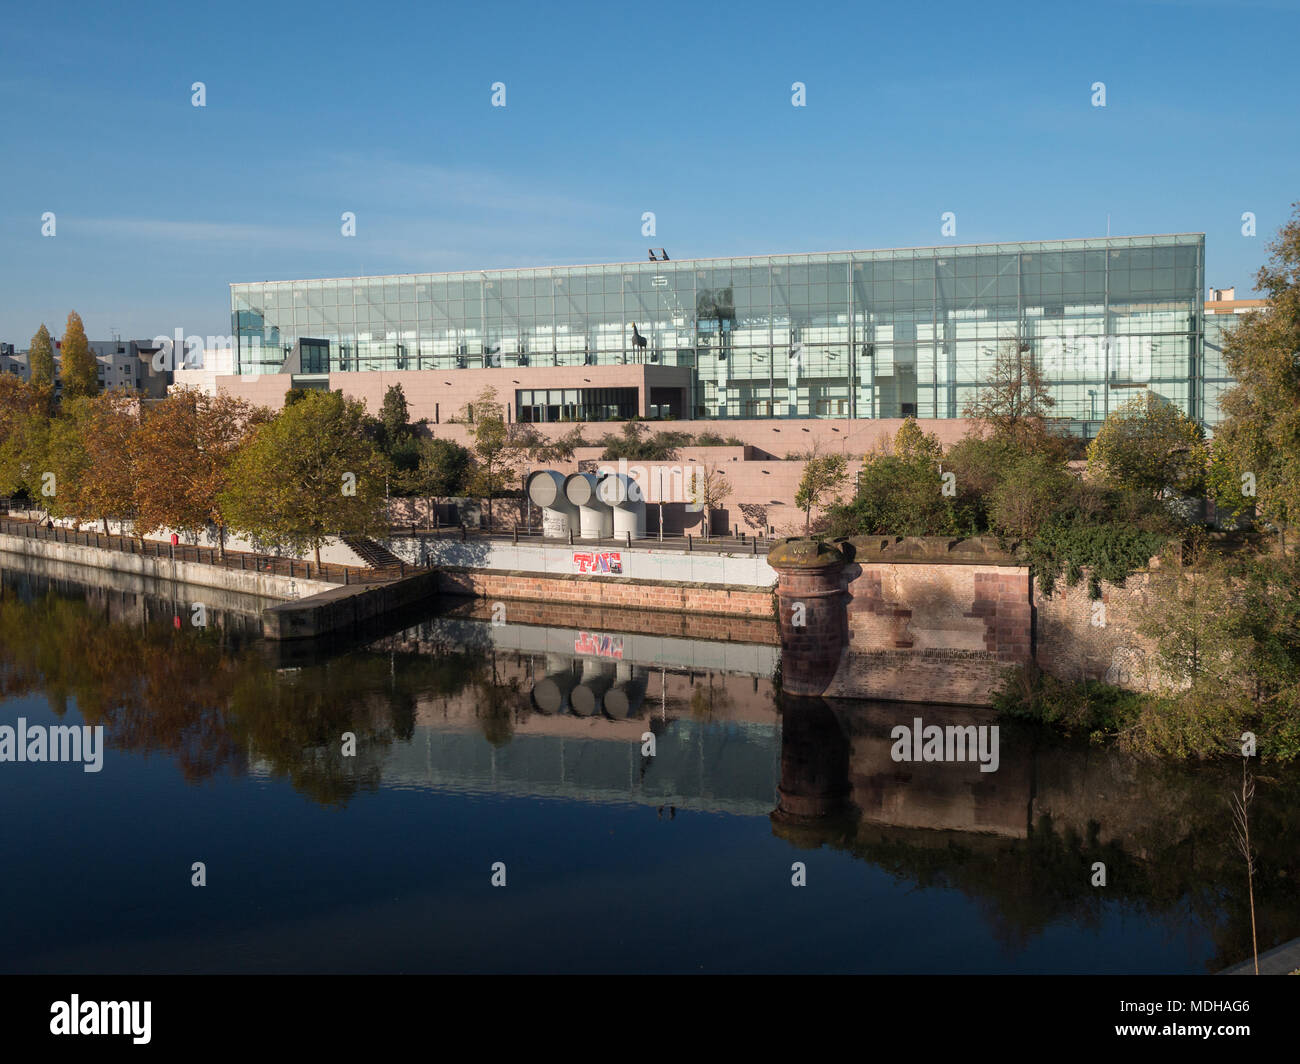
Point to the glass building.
(854, 334)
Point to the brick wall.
(615, 592)
(731, 629)
(924, 629)
(1082, 639)
(933, 632)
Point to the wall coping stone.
(799, 554)
(921, 550)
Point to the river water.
(517, 751)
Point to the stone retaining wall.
(266, 585)
(688, 598)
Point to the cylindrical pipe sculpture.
(625, 497)
(595, 517)
(545, 488)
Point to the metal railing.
(734, 543)
(326, 572)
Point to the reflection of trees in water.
(204, 697)
(708, 700)
(1164, 832)
(498, 703)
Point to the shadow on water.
(556, 703)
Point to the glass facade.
(1214, 368)
(859, 334)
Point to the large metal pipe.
(624, 495)
(545, 488)
(595, 517)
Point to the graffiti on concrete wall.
(603, 561)
(602, 646)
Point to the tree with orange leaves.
(89, 453)
(181, 458)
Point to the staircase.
(375, 555)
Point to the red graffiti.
(602, 646)
(605, 561)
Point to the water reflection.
(556, 703)
(1024, 840)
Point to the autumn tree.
(823, 477)
(80, 369)
(308, 474)
(89, 452)
(1256, 450)
(40, 358)
(1148, 445)
(24, 449)
(1015, 400)
(17, 400)
(182, 457)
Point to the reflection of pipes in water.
(545, 488)
(595, 518)
(624, 699)
(552, 693)
(589, 696)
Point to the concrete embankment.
(338, 609)
(266, 585)
(218, 600)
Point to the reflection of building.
(862, 334)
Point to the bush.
(1093, 707)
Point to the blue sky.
(678, 108)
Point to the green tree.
(502, 451)
(80, 370)
(1226, 636)
(308, 474)
(66, 458)
(1256, 450)
(393, 415)
(1148, 445)
(40, 358)
(634, 445)
(444, 468)
(24, 451)
(912, 443)
(1028, 494)
(900, 491)
(823, 477)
